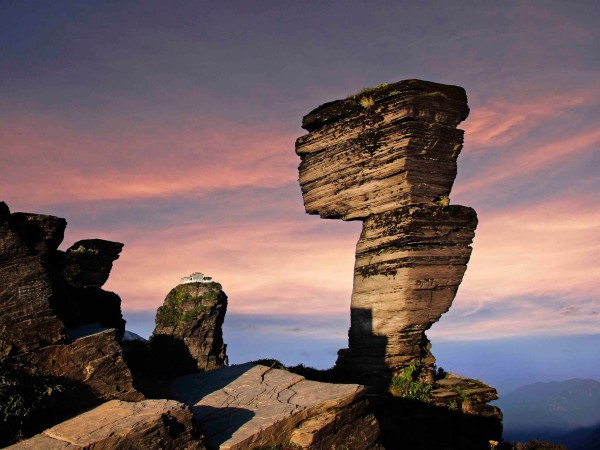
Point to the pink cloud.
(524, 161)
(501, 120)
(551, 249)
(273, 268)
(49, 160)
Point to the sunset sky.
(170, 127)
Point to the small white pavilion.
(196, 277)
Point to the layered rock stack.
(188, 336)
(387, 156)
(54, 316)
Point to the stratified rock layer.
(387, 156)
(409, 264)
(188, 335)
(27, 318)
(53, 312)
(402, 150)
(250, 406)
(118, 425)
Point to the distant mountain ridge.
(552, 410)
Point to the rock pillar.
(387, 156)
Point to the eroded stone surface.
(409, 264)
(94, 361)
(150, 424)
(470, 396)
(47, 296)
(358, 161)
(248, 406)
(27, 318)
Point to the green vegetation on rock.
(24, 395)
(186, 302)
(407, 384)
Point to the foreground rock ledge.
(148, 425)
(249, 406)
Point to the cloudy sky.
(170, 127)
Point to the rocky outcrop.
(94, 361)
(470, 396)
(54, 316)
(249, 406)
(387, 156)
(27, 317)
(146, 425)
(188, 335)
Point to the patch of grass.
(81, 250)
(436, 94)
(407, 384)
(24, 395)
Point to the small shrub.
(439, 373)
(272, 363)
(366, 102)
(407, 384)
(24, 395)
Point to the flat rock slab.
(247, 406)
(149, 424)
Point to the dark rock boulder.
(54, 316)
(27, 317)
(89, 262)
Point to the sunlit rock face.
(387, 156)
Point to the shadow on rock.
(421, 426)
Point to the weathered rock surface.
(402, 150)
(387, 156)
(471, 396)
(94, 361)
(409, 264)
(249, 406)
(48, 297)
(188, 335)
(146, 425)
(27, 318)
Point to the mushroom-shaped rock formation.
(387, 156)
